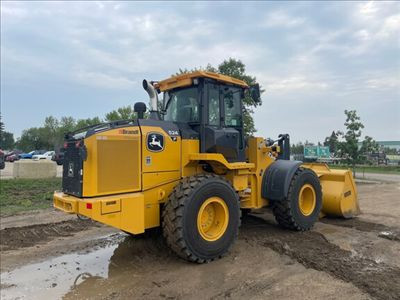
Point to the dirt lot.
(49, 255)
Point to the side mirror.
(255, 93)
(140, 109)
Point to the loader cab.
(214, 110)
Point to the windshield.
(182, 106)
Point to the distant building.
(386, 144)
(381, 156)
(393, 159)
(390, 144)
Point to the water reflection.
(69, 273)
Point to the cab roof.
(187, 80)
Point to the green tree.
(51, 132)
(307, 143)
(237, 69)
(1, 125)
(369, 145)
(33, 139)
(81, 123)
(332, 141)
(68, 124)
(391, 151)
(6, 138)
(122, 113)
(349, 148)
(297, 148)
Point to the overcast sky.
(84, 59)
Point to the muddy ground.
(49, 255)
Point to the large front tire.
(201, 218)
(301, 208)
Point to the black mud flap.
(277, 178)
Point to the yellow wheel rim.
(307, 199)
(212, 219)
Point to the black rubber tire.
(287, 212)
(245, 212)
(179, 218)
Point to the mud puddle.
(383, 231)
(313, 250)
(55, 277)
(27, 236)
(83, 270)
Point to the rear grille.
(118, 165)
(72, 170)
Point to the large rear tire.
(301, 208)
(201, 218)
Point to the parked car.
(32, 153)
(26, 155)
(59, 157)
(12, 156)
(2, 162)
(46, 155)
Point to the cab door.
(223, 121)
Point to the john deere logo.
(155, 142)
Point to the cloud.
(343, 55)
(282, 19)
(378, 26)
(12, 10)
(103, 80)
(392, 82)
(390, 27)
(368, 9)
(292, 84)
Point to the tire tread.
(172, 215)
(282, 210)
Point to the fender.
(277, 178)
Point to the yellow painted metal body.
(307, 199)
(213, 219)
(124, 183)
(119, 168)
(125, 211)
(113, 162)
(339, 191)
(187, 80)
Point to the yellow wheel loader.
(189, 168)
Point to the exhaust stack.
(149, 88)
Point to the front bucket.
(339, 192)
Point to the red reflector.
(89, 205)
(65, 145)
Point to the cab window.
(213, 105)
(183, 106)
(232, 107)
